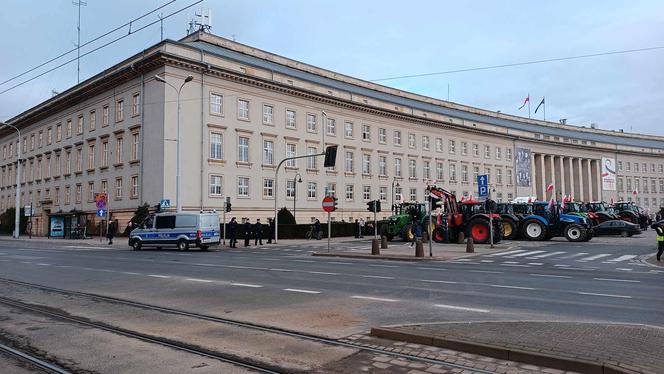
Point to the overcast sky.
(378, 39)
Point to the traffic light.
(228, 204)
(377, 205)
(330, 156)
(370, 205)
(335, 203)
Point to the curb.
(379, 257)
(502, 353)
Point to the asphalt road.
(604, 280)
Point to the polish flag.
(463, 198)
(439, 219)
(635, 192)
(564, 203)
(526, 101)
(551, 203)
(529, 200)
(550, 187)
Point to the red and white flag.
(635, 192)
(564, 203)
(550, 187)
(529, 200)
(525, 101)
(439, 219)
(462, 198)
(551, 203)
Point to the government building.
(246, 109)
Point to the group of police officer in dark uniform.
(249, 230)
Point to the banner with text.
(608, 174)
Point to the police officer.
(258, 228)
(247, 232)
(232, 232)
(659, 229)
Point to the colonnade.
(576, 176)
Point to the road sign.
(483, 185)
(328, 204)
(27, 211)
(100, 200)
(101, 212)
(165, 203)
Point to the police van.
(179, 229)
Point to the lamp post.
(394, 180)
(177, 149)
(295, 182)
(17, 215)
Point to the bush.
(285, 217)
(7, 221)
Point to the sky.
(378, 39)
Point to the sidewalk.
(581, 347)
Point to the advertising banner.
(57, 227)
(523, 166)
(608, 174)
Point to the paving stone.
(381, 365)
(382, 358)
(417, 372)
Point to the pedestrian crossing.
(517, 256)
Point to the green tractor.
(401, 223)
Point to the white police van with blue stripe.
(179, 229)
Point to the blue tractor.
(546, 222)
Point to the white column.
(580, 195)
(533, 174)
(542, 178)
(589, 181)
(561, 167)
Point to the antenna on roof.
(202, 21)
(78, 3)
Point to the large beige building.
(247, 109)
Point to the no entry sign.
(328, 204)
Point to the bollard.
(470, 245)
(383, 242)
(419, 248)
(462, 238)
(374, 247)
(425, 237)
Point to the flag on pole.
(526, 101)
(563, 205)
(550, 187)
(635, 192)
(540, 104)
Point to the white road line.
(624, 269)
(535, 263)
(322, 273)
(525, 254)
(486, 260)
(374, 298)
(549, 254)
(486, 271)
(550, 275)
(464, 259)
(587, 269)
(376, 276)
(340, 263)
(43, 264)
(272, 259)
(384, 266)
(241, 267)
(426, 268)
(574, 255)
(309, 261)
(514, 287)
(437, 281)
(130, 273)
(617, 280)
(505, 253)
(562, 266)
(516, 265)
(511, 262)
(199, 280)
(604, 294)
(301, 291)
(621, 258)
(246, 285)
(284, 270)
(26, 262)
(158, 276)
(64, 266)
(466, 309)
(595, 257)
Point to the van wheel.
(182, 245)
(136, 245)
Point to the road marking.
(272, 259)
(199, 280)
(322, 273)
(587, 269)
(285, 270)
(374, 298)
(549, 254)
(384, 266)
(246, 285)
(303, 261)
(158, 276)
(241, 267)
(595, 257)
(376, 276)
(130, 273)
(486, 260)
(300, 291)
(511, 262)
(514, 287)
(617, 280)
(562, 266)
(516, 265)
(340, 263)
(426, 268)
(621, 258)
(486, 271)
(455, 307)
(550, 275)
(525, 254)
(624, 269)
(26, 262)
(505, 253)
(574, 255)
(535, 263)
(437, 281)
(604, 294)
(43, 264)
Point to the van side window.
(165, 222)
(186, 221)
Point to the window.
(413, 194)
(644, 167)
(57, 165)
(69, 128)
(49, 135)
(311, 122)
(636, 167)
(290, 119)
(425, 143)
(47, 167)
(243, 109)
(398, 194)
(348, 129)
(452, 147)
(40, 143)
(366, 132)
(382, 166)
(104, 115)
(215, 185)
(439, 171)
(290, 188)
(499, 153)
(291, 151)
(311, 161)
(652, 167)
(366, 193)
(620, 166)
(91, 191)
(499, 176)
(119, 142)
(136, 104)
(331, 126)
(104, 186)
(382, 193)
(653, 185)
(92, 120)
(397, 167)
(509, 177)
(637, 184)
(645, 185)
(268, 188)
(67, 162)
(91, 156)
(134, 187)
(164, 222)
(58, 132)
(619, 183)
(382, 135)
(243, 149)
(464, 148)
(104, 154)
(426, 174)
(349, 167)
(487, 151)
(243, 187)
(56, 198)
(67, 197)
(412, 168)
(311, 190)
(118, 188)
(79, 193)
(268, 152)
(32, 142)
(508, 154)
(267, 114)
(216, 104)
(453, 173)
(119, 111)
(79, 126)
(464, 173)
(366, 164)
(439, 144)
(628, 166)
(330, 189)
(629, 184)
(487, 171)
(411, 140)
(135, 143)
(397, 137)
(350, 192)
(661, 168)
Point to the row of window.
(40, 138)
(629, 166)
(640, 185)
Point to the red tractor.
(468, 217)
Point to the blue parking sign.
(101, 212)
(483, 185)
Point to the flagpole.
(544, 100)
(528, 105)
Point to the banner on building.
(608, 174)
(57, 229)
(523, 167)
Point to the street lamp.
(17, 215)
(177, 150)
(394, 180)
(295, 191)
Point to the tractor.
(579, 209)
(401, 223)
(511, 218)
(547, 221)
(601, 211)
(630, 212)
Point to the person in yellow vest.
(659, 229)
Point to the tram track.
(209, 318)
(33, 360)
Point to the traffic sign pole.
(329, 231)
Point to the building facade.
(245, 110)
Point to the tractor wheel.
(478, 229)
(575, 233)
(510, 229)
(498, 232)
(533, 229)
(439, 235)
(407, 233)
